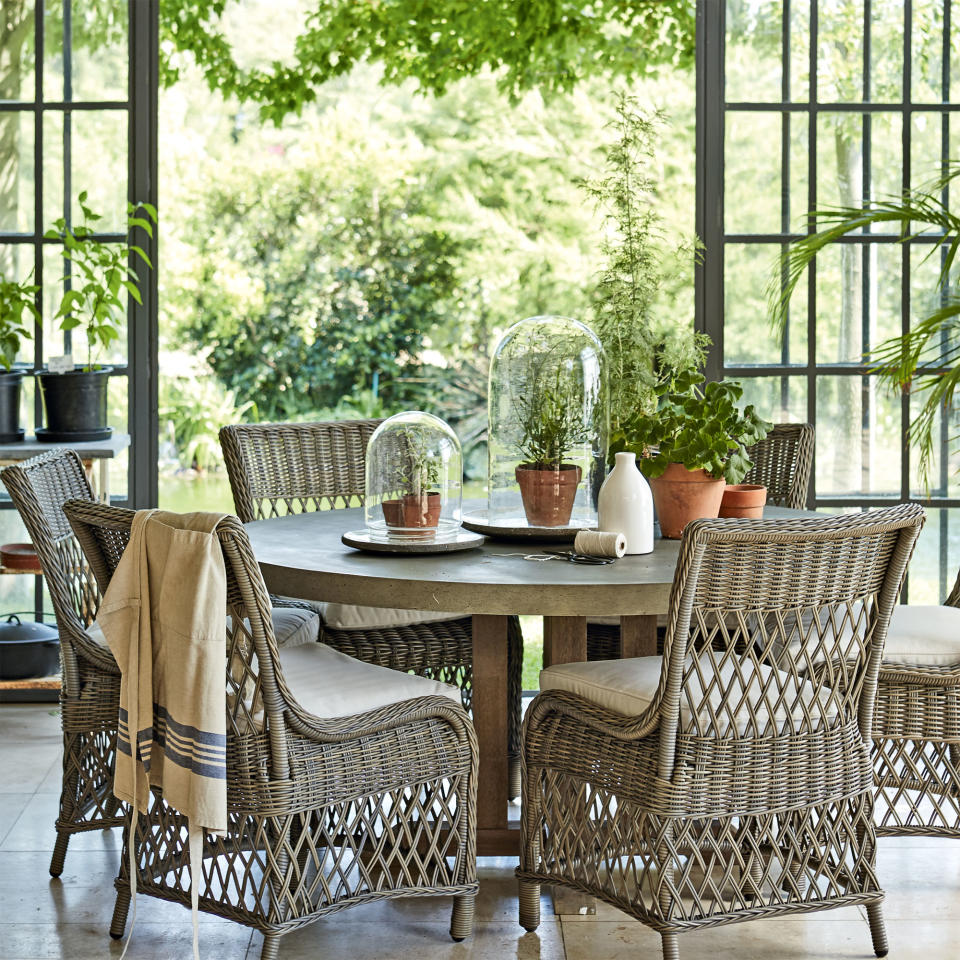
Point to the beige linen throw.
(164, 617)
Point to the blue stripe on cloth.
(195, 766)
(188, 732)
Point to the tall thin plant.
(922, 361)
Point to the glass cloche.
(547, 439)
(414, 478)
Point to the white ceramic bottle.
(625, 504)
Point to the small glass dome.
(414, 478)
(547, 438)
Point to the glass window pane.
(886, 51)
(858, 438)
(117, 418)
(53, 287)
(17, 51)
(927, 44)
(52, 167)
(840, 53)
(16, 172)
(752, 195)
(99, 166)
(16, 261)
(778, 399)
(840, 159)
(800, 52)
(933, 568)
(753, 51)
(747, 334)
(926, 140)
(99, 50)
(799, 126)
(53, 73)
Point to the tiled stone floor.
(42, 918)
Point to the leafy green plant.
(15, 300)
(551, 418)
(100, 271)
(633, 271)
(700, 426)
(922, 361)
(418, 471)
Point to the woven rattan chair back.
(776, 628)
(311, 802)
(39, 487)
(782, 462)
(90, 685)
(281, 468)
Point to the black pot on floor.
(10, 429)
(74, 405)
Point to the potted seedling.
(16, 300)
(75, 400)
(418, 503)
(552, 422)
(697, 442)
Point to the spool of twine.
(594, 543)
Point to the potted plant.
(15, 300)
(697, 442)
(75, 400)
(416, 474)
(636, 262)
(552, 423)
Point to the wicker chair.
(281, 468)
(782, 462)
(916, 724)
(323, 813)
(708, 786)
(90, 678)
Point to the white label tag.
(62, 364)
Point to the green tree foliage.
(312, 274)
(546, 44)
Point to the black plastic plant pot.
(10, 429)
(74, 406)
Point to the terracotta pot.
(743, 500)
(548, 493)
(413, 511)
(682, 495)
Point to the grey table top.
(90, 450)
(302, 556)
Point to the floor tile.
(36, 723)
(151, 941)
(11, 806)
(765, 939)
(34, 830)
(411, 939)
(25, 764)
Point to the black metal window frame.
(711, 122)
(142, 120)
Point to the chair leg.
(271, 946)
(59, 853)
(461, 919)
(878, 930)
(529, 896)
(671, 950)
(514, 779)
(120, 909)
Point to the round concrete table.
(302, 556)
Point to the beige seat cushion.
(928, 635)
(291, 626)
(348, 616)
(330, 684)
(629, 687)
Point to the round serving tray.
(517, 528)
(444, 543)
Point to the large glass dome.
(547, 437)
(414, 478)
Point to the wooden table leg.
(494, 836)
(564, 640)
(638, 637)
